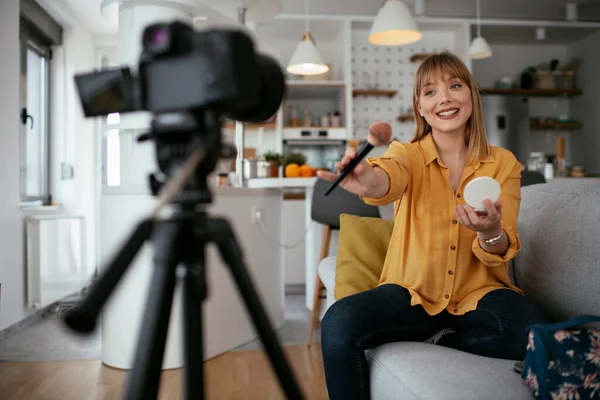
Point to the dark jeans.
(384, 314)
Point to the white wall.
(74, 138)
(11, 240)
(73, 142)
(586, 108)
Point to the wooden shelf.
(374, 92)
(419, 57)
(313, 127)
(564, 126)
(406, 118)
(532, 92)
(300, 83)
(267, 126)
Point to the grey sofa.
(558, 267)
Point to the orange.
(292, 170)
(306, 171)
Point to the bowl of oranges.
(295, 166)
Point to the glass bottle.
(294, 120)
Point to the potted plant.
(274, 161)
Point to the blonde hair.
(448, 64)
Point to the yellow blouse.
(431, 253)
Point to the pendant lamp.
(479, 47)
(394, 25)
(306, 59)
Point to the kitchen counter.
(281, 182)
(313, 233)
(257, 190)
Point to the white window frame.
(30, 40)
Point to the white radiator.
(55, 258)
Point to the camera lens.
(272, 91)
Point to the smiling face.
(445, 103)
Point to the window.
(35, 131)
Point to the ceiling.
(88, 11)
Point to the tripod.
(179, 245)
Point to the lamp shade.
(306, 59)
(479, 49)
(394, 25)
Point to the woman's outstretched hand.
(487, 223)
(364, 180)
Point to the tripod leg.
(232, 255)
(83, 317)
(144, 378)
(193, 296)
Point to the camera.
(183, 69)
(189, 80)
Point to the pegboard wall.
(388, 68)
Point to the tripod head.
(189, 80)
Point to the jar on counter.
(577, 171)
(294, 120)
(536, 162)
(336, 119)
(223, 179)
(307, 118)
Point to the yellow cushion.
(363, 244)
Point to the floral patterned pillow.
(562, 363)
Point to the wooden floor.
(235, 375)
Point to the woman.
(446, 266)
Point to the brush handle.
(362, 152)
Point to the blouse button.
(453, 247)
(458, 195)
(447, 296)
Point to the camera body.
(189, 80)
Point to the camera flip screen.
(106, 92)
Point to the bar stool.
(326, 210)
